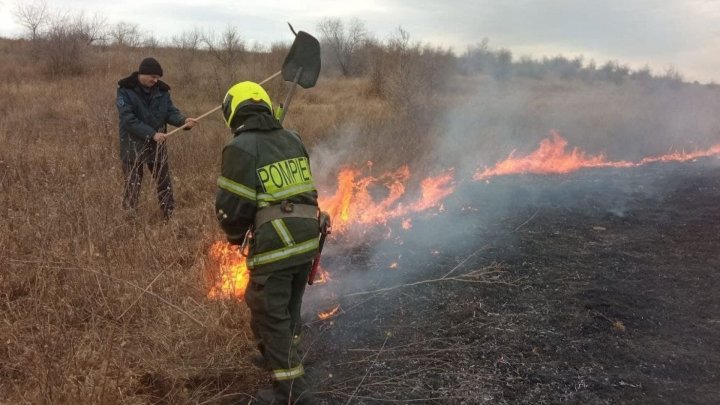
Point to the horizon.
(635, 33)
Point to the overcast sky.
(683, 34)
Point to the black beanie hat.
(150, 66)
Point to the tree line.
(63, 41)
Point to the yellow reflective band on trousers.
(236, 188)
(283, 232)
(283, 253)
(288, 373)
(280, 176)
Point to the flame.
(355, 202)
(322, 276)
(434, 190)
(367, 200)
(328, 314)
(552, 157)
(233, 275)
(393, 265)
(683, 156)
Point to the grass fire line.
(352, 204)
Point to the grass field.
(99, 307)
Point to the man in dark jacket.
(268, 203)
(145, 108)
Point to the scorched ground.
(599, 286)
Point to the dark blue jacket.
(142, 115)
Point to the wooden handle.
(276, 74)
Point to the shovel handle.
(286, 104)
(276, 74)
(316, 261)
(325, 230)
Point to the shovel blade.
(304, 53)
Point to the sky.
(679, 34)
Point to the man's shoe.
(167, 215)
(258, 360)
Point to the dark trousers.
(275, 303)
(133, 171)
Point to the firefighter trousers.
(275, 301)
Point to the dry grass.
(101, 308)
(98, 307)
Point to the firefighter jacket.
(142, 115)
(266, 168)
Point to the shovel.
(301, 66)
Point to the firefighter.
(267, 203)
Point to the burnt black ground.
(608, 293)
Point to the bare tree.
(66, 46)
(503, 64)
(188, 44)
(228, 50)
(644, 74)
(188, 40)
(89, 29)
(61, 41)
(125, 34)
(150, 41)
(399, 42)
(407, 74)
(343, 43)
(672, 77)
(32, 15)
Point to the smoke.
(624, 122)
(328, 158)
(629, 121)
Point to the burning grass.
(232, 273)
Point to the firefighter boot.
(258, 359)
(264, 397)
(269, 396)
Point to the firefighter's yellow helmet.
(242, 94)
